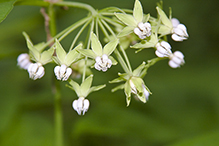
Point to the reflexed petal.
(104, 58)
(175, 22)
(40, 72)
(165, 45)
(75, 105)
(173, 64)
(62, 70)
(175, 37)
(97, 67)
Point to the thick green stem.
(56, 90)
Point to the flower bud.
(81, 105)
(36, 71)
(102, 63)
(163, 49)
(23, 61)
(62, 72)
(179, 31)
(143, 30)
(176, 59)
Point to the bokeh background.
(183, 110)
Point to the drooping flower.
(62, 72)
(179, 31)
(176, 59)
(23, 61)
(134, 84)
(172, 26)
(163, 49)
(81, 105)
(136, 23)
(143, 30)
(64, 59)
(102, 57)
(36, 71)
(102, 63)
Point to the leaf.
(126, 31)
(60, 52)
(33, 51)
(46, 56)
(117, 80)
(72, 55)
(114, 62)
(5, 8)
(96, 45)
(166, 21)
(75, 86)
(143, 44)
(126, 19)
(96, 88)
(87, 52)
(138, 12)
(139, 69)
(85, 86)
(118, 88)
(127, 89)
(110, 47)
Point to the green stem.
(57, 92)
(120, 59)
(121, 48)
(67, 31)
(88, 46)
(77, 5)
(78, 34)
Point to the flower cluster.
(123, 29)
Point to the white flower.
(36, 71)
(102, 63)
(146, 93)
(23, 60)
(179, 31)
(62, 72)
(176, 59)
(143, 30)
(81, 105)
(163, 49)
(135, 91)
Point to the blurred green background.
(183, 110)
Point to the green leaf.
(146, 18)
(117, 80)
(139, 69)
(72, 55)
(39, 46)
(85, 86)
(126, 31)
(60, 52)
(96, 45)
(75, 86)
(127, 19)
(143, 44)
(33, 51)
(118, 88)
(164, 30)
(5, 8)
(114, 62)
(138, 12)
(96, 88)
(127, 89)
(166, 21)
(138, 82)
(46, 56)
(87, 52)
(110, 47)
